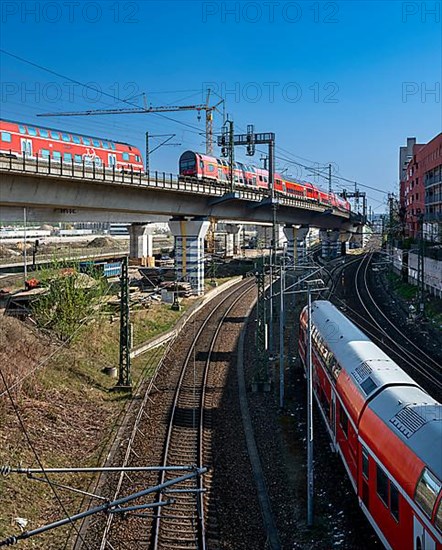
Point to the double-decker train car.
(204, 167)
(386, 428)
(57, 146)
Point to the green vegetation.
(405, 290)
(71, 298)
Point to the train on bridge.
(50, 145)
(385, 427)
(204, 167)
(57, 146)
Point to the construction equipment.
(209, 109)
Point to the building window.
(6, 136)
(382, 485)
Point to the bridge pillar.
(189, 251)
(141, 243)
(296, 243)
(329, 242)
(233, 238)
(344, 238)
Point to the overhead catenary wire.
(37, 457)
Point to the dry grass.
(67, 410)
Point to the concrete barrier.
(193, 310)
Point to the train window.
(45, 153)
(439, 517)
(96, 142)
(137, 158)
(6, 136)
(86, 141)
(365, 462)
(32, 131)
(78, 158)
(254, 180)
(125, 156)
(65, 137)
(112, 146)
(56, 155)
(55, 135)
(382, 485)
(394, 501)
(427, 490)
(67, 157)
(105, 145)
(343, 420)
(44, 133)
(76, 139)
(22, 129)
(211, 167)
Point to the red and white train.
(204, 167)
(57, 146)
(387, 430)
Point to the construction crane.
(209, 109)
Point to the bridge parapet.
(57, 171)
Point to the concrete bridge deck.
(62, 192)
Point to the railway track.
(174, 428)
(369, 316)
(182, 525)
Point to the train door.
(111, 160)
(26, 147)
(422, 540)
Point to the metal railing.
(86, 171)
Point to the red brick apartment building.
(420, 172)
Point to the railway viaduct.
(69, 193)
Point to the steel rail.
(404, 336)
(157, 524)
(412, 360)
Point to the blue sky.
(344, 82)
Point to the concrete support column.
(141, 243)
(325, 244)
(189, 251)
(344, 238)
(333, 237)
(296, 243)
(233, 239)
(263, 236)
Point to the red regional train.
(209, 168)
(50, 144)
(387, 430)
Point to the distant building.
(420, 172)
(432, 169)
